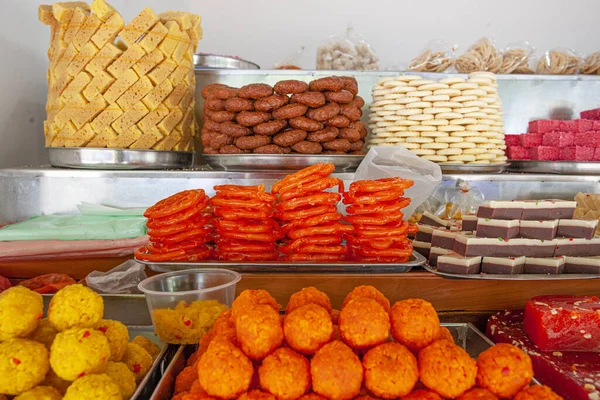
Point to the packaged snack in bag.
(292, 61)
(462, 199)
(483, 55)
(437, 56)
(591, 64)
(516, 58)
(559, 62)
(347, 52)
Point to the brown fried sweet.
(215, 104)
(364, 323)
(269, 128)
(341, 97)
(252, 142)
(334, 152)
(212, 125)
(256, 395)
(445, 334)
(308, 328)
(305, 124)
(310, 99)
(290, 86)
(478, 394)
(308, 295)
(207, 136)
(357, 146)
(231, 149)
(339, 121)
(350, 84)
(359, 126)
(237, 104)
(323, 135)
(330, 83)
(312, 396)
(252, 297)
(305, 147)
(391, 370)
(185, 379)
(251, 118)
(290, 111)
(259, 331)
(269, 149)
(221, 116)
(255, 91)
(422, 394)
(289, 138)
(358, 102)
(271, 103)
(415, 323)
(336, 371)
(351, 135)
(341, 145)
(324, 113)
(353, 113)
(218, 91)
(224, 327)
(220, 140)
(235, 130)
(208, 89)
(504, 370)
(285, 374)
(210, 150)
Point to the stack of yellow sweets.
(120, 86)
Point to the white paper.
(390, 162)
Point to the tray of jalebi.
(295, 226)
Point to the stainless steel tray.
(465, 335)
(279, 162)
(555, 167)
(90, 158)
(216, 61)
(517, 277)
(473, 168)
(278, 266)
(154, 374)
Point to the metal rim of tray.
(516, 277)
(555, 167)
(124, 159)
(279, 162)
(217, 61)
(277, 266)
(473, 168)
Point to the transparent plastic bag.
(462, 199)
(559, 62)
(591, 64)
(434, 204)
(483, 55)
(122, 279)
(292, 61)
(437, 56)
(347, 52)
(516, 58)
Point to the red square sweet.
(576, 125)
(531, 140)
(518, 153)
(547, 153)
(587, 139)
(576, 153)
(558, 139)
(596, 125)
(513, 140)
(591, 114)
(596, 154)
(543, 126)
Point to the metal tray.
(555, 167)
(216, 61)
(90, 158)
(279, 162)
(473, 168)
(276, 266)
(517, 277)
(465, 335)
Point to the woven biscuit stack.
(452, 120)
(137, 92)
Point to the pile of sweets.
(118, 85)
(553, 140)
(451, 120)
(513, 237)
(561, 335)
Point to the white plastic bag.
(388, 162)
(346, 52)
(122, 279)
(437, 56)
(462, 199)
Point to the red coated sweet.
(512, 140)
(591, 114)
(576, 125)
(573, 375)
(597, 154)
(558, 139)
(564, 323)
(577, 153)
(544, 153)
(587, 139)
(519, 153)
(531, 140)
(543, 126)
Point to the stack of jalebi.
(375, 213)
(179, 228)
(312, 223)
(245, 229)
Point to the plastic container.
(185, 304)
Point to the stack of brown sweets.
(320, 117)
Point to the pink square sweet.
(596, 125)
(576, 125)
(531, 140)
(558, 139)
(591, 114)
(543, 126)
(596, 154)
(587, 139)
(513, 140)
(547, 153)
(518, 153)
(576, 153)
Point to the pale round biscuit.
(452, 80)
(463, 121)
(498, 152)
(436, 122)
(483, 74)
(447, 92)
(477, 139)
(476, 114)
(436, 110)
(419, 93)
(435, 134)
(420, 117)
(452, 128)
(406, 134)
(463, 99)
(474, 92)
(383, 113)
(488, 134)
(463, 145)
(392, 96)
(411, 146)
(379, 92)
(393, 83)
(480, 81)
(423, 152)
(373, 109)
(448, 139)
(421, 82)
(419, 140)
(374, 119)
(494, 84)
(490, 111)
(409, 111)
(474, 151)
(376, 140)
(464, 86)
(421, 128)
(381, 103)
(434, 86)
(485, 121)
(394, 139)
(375, 129)
(494, 117)
(466, 110)
(447, 104)
(437, 97)
(498, 129)
(501, 147)
(487, 100)
(480, 162)
(486, 145)
(406, 122)
(401, 90)
(474, 103)
(407, 100)
(435, 158)
(500, 160)
(384, 124)
(394, 117)
(462, 157)
(452, 163)
(448, 115)
(490, 90)
(485, 156)
(384, 80)
(408, 78)
(478, 127)
(463, 134)
(383, 134)
(389, 144)
(419, 104)
(496, 141)
(497, 107)
(378, 98)
(498, 123)
(435, 146)
(393, 107)
(449, 152)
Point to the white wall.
(266, 31)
